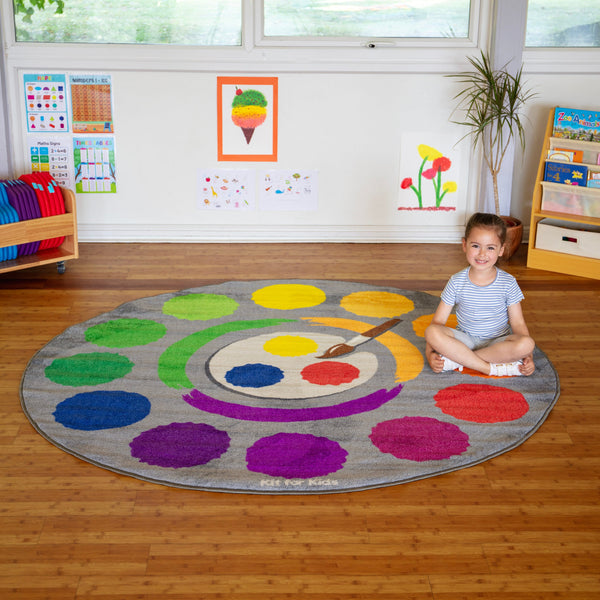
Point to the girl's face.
(483, 248)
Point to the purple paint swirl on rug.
(287, 415)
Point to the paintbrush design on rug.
(347, 347)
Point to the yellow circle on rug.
(377, 304)
(288, 296)
(290, 345)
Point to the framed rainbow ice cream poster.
(247, 118)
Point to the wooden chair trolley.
(34, 230)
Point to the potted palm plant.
(490, 105)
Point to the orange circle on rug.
(377, 304)
(479, 403)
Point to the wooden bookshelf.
(549, 260)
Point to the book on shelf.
(567, 173)
(565, 155)
(593, 179)
(576, 124)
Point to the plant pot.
(514, 236)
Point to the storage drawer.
(569, 238)
(570, 199)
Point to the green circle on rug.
(124, 333)
(200, 307)
(94, 368)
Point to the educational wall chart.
(46, 105)
(91, 103)
(226, 189)
(94, 161)
(429, 172)
(64, 104)
(289, 190)
(54, 155)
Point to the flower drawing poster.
(247, 114)
(429, 173)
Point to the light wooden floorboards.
(523, 526)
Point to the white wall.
(347, 127)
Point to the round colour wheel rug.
(291, 387)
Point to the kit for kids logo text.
(292, 483)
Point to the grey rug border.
(540, 422)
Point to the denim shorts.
(475, 342)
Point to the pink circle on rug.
(419, 438)
(479, 403)
(330, 373)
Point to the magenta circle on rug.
(241, 387)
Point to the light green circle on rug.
(200, 307)
(125, 333)
(88, 369)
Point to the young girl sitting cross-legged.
(492, 336)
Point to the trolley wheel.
(61, 267)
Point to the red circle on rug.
(330, 373)
(480, 403)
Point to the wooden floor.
(525, 525)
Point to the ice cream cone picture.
(248, 111)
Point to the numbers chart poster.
(226, 189)
(54, 155)
(289, 190)
(94, 159)
(46, 105)
(91, 104)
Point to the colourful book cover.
(566, 173)
(576, 124)
(576, 155)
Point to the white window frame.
(258, 53)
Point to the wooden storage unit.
(549, 260)
(34, 230)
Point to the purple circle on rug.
(419, 438)
(295, 455)
(180, 445)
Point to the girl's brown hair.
(489, 221)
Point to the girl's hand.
(435, 360)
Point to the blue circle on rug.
(180, 445)
(91, 411)
(254, 375)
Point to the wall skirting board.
(219, 234)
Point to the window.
(220, 23)
(177, 22)
(367, 18)
(563, 23)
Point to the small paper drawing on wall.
(225, 189)
(247, 118)
(282, 189)
(433, 167)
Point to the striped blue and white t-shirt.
(482, 311)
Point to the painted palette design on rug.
(225, 388)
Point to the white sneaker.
(506, 369)
(450, 365)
